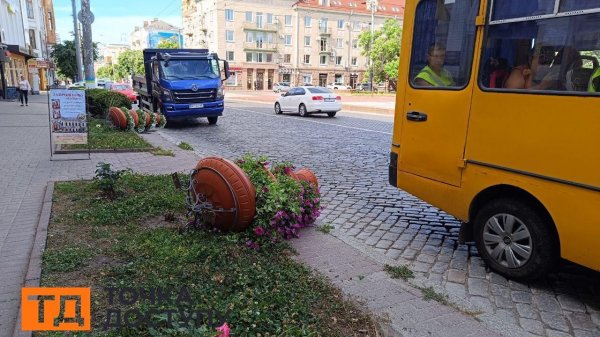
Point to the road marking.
(316, 122)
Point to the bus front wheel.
(515, 239)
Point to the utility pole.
(77, 44)
(3, 48)
(373, 4)
(88, 47)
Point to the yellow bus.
(497, 122)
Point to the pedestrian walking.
(24, 88)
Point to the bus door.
(438, 94)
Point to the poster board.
(68, 117)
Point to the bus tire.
(213, 120)
(515, 239)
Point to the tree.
(168, 44)
(386, 50)
(65, 60)
(106, 71)
(128, 61)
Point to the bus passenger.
(434, 74)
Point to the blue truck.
(182, 83)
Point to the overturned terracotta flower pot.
(229, 191)
(117, 117)
(135, 117)
(148, 119)
(157, 118)
(307, 175)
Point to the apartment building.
(152, 32)
(268, 41)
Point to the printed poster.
(68, 122)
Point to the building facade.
(25, 37)
(268, 41)
(151, 33)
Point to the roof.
(385, 7)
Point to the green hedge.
(99, 100)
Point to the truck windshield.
(190, 69)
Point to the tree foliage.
(128, 61)
(168, 44)
(386, 50)
(65, 60)
(106, 71)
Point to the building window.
(339, 79)
(248, 16)
(259, 20)
(229, 35)
(32, 39)
(307, 21)
(230, 56)
(339, 42)
(287, 58)
(269, 17)
(232, 81)
(356, 25)
(338, 60)
(340, 24)
(307, 79)
(306, 59)
(324, 2)
(323, 60)
(229, 15)
(248, 57)
(323, 44)
(288, 20)
(287, 40)
(259, 57)
(354, 43)
(307, 41)
(354, 61)
(30, 9)
(269, 58)
(249, 36)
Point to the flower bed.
(283, 204)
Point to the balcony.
(265, 27)
(260, 46)
(325, 31)
(326, 50)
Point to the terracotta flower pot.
(157, 118)
(148, 119)
(135, 117)
(117, 117)
(307, 175)
(227, 187)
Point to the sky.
(114, 20)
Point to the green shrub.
(99, 100)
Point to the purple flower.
(259, 231)
(287, 170)
(265, 189)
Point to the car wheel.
(331, 114)
(213, 120)
(516, 239)
(335, 88)
(302, 110)
(277, 108)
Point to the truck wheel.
(515, 239)
(302, 110)
(213, 120)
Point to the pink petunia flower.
(224, 330)
(259, 231)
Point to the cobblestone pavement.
(350, 157)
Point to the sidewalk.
(26, 170)
(377, 104)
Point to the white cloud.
(116, 29)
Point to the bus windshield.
(190, 69)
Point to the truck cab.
(182, 83)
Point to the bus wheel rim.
(507, 240)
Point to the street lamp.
(372, 5)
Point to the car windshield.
(319, 90)
(120, 87)
(190, 69)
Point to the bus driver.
(434, 74)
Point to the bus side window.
(545, 54)
(443, 40)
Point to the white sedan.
(307, 100)
(336, 86)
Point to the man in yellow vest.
(594, 85)
(434, 74)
